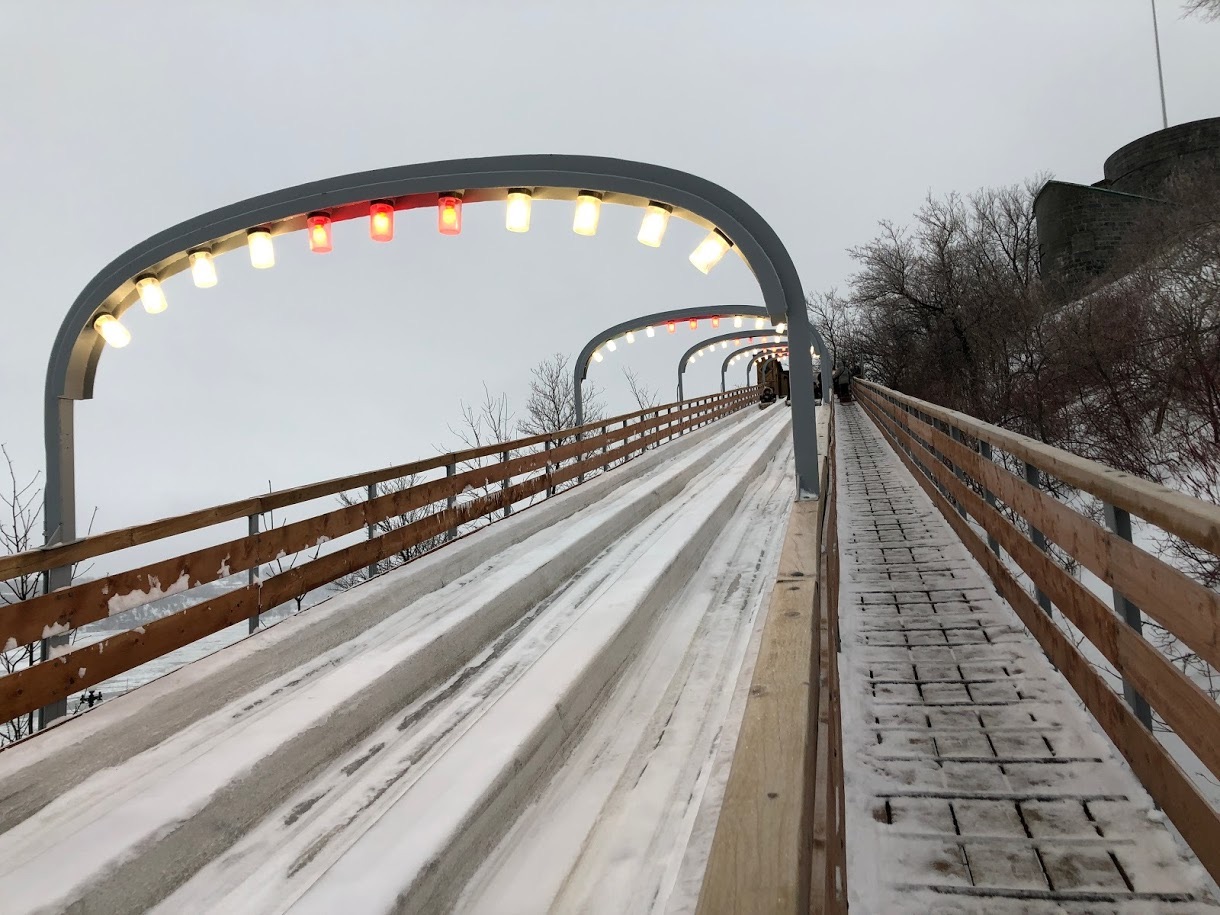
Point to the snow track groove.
(405, 749)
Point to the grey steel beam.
(740, 351)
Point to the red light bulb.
(715, 321)
(694, 323)
(381, 221)
(318, 225)
(449, 215)
(673, 326)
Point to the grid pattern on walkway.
(975, 782)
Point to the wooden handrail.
(946, 468)
(65, 554)
(1176, 513)
(33, 687)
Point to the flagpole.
(1160, 73)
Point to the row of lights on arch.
(672, 327)
(318, 227)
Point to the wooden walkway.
(974, 779)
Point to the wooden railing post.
(451, 502)
(1119, 522)
(372, 528)
(1033, 476)
(252, 574)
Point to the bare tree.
(551, 406)
(1207, 9)
(489, 422)
(645, 397)
(281, 563)
(21, 504)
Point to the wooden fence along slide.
(949, 454)
(542, 463)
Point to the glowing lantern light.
(715, 321)
(262, 249)
(630, 337)
(737, 321)
(651, 331)
(152, 296)
(318, 225)
(112, 331)
(759, 323)
(610, 345)
(672, 326)
(517, 216)
(737, 342)
(449, 214)
(694, 323)
(710, 251)
(588, 212)
(381, 221)
(652, 227)
(724, 345)
(781, 327)
(597, 355)
(203, 269)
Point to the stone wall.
(1081, 227)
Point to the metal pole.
(252, 575)
(59, 517)
(1119, 522)
(988, 495)
(451, 503)
(371, 495)
(1033, 476)
(1160, 73)
(550, 490)
(508, 509)
(956, 435)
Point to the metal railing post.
(451, 503)
(252, 575)
(988, 495)
(550, 489)
(956, 435)
(1033, 476)
(508, 509)
(1118, 520)
(370, 495)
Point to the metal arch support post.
(1118, 520)
(742, 350)
(580, 370)
(712, 341)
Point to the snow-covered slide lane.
(137, 830)
(421, 800)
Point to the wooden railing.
(779, 843)
(952, 455)
(542, 463)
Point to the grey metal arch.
(77, 349)
(724, 366)
(712, 341)
(761, 357)
(581, 369)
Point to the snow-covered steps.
(270, 753)
(975, 781)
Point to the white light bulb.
(652, 227)
(597, 355)
(652, 331)
(203, 269)
(262, 249)
(630, 337)
(737, 321)
(610, 345)
(112, 331)
(588, 212)
(710, 251)
(517, 214)
(152, 296)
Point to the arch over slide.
(721, 338)
(724, 366)
(78, 346)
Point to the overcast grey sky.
(122, 118)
